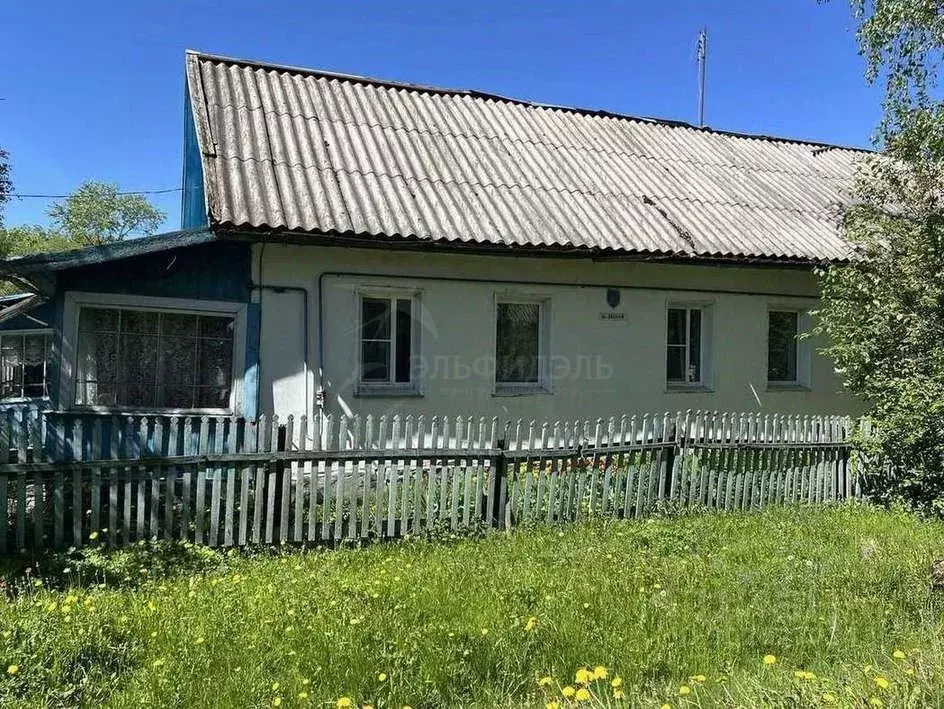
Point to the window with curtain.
(157, 359)
(518, 344)
(24, 365)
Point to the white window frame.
(75, 300)
(543, 385)
(803, 351)
(706, 308)
(392, 387)
(53, 352)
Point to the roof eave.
(265, 234)
(91, 255)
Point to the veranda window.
(152, 358)
(24, 365)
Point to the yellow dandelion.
(899, 655)
(552, 705)
(484, 632)
(13, 669)
(275, 686)
(666, 706)
(52, 607)
(881, 683)
(770, 659)
(344, 703)
(617, 682)
(531, 624)
(599, 672)
(804, 674)
(277, 702)
(618, 694)
(698, 678)
(876, 702)
(199, 641)
(382, 677)
(582, 695)
(684, 690)
(568, 691)
(829, 698)
(545, 681)
(583, 676)
(303, 695)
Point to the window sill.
(24, 400)
(145, 411)
(689, 389)
(387, 392)
(787, 386)
(535, 390)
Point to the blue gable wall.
(193, 211)
(215, 271)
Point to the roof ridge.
(475, 93)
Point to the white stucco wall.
(603, 367)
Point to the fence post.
(498, 484)
(670, 434)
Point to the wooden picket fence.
(71, 479)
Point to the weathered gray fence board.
(327, 479)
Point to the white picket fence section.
(68, 479)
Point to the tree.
(97, 213)
(883, 311)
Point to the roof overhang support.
(22, 308)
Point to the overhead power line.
(62, 196)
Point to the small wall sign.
(612, 316)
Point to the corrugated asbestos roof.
(307, 151)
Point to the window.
(152, 358)
(684, 346)
(782, 347)
(387, 341)
(519, 335)
(24, 365)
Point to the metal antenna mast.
(702, 61)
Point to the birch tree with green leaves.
(883, 311)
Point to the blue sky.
(94, 90)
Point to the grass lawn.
(677, 611)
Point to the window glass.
(154, 359)
(694, 345)
(518, 343)
(24, 365)
(782, 330)
(404, 337)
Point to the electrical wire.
(62, 196)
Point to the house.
(353, 245)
